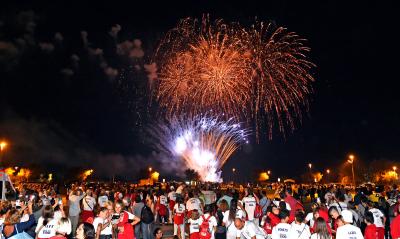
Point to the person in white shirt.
(179, 217)
(310, 215)
(163, 208)
(249, 203)
(348, 231)
(212, 221)
(102, 199)
(47, 225)
(74, 208)
(299, 230)
(339, 201)
(194, 224)
(193, 203)
(210, 196)
(172, 199)
(247, 229)
(379, 219)
(102, 224)
(88, 202)
(282, 230)
(229, 220)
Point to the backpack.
(205, 228)
(146, 216)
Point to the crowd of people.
(123, 211)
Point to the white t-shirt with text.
(281, 231)
(250, 206)
(300, 231)
(378, 215)
(349, 231)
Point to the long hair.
(47, 214)
(232, 210)
(321, 229)
(88, 231)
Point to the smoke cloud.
(48, 144)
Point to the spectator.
(348, 230)
(158, 234)
(321, 230)
(85, 231)
(74, 208)
(63, 228)
(12, 224)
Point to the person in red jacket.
(271, 219)
(395, 226)
(370, 231)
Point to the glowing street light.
(150, 169)
(269, 172)
(279, 180)
(328, 171)
(394, 168)
(310, 166)
(233, 174)
(351, 161)
(3, 145)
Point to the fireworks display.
(259, 74)
(204, 143)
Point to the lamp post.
(328, 171)
(351, 161)
(233, 175)
(310, 166)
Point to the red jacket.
(395, 227)
(274, 219)
(324, 214)
(370, 232)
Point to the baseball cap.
(240, 214)
(347, 216)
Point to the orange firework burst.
(281, 78)
(257, 73)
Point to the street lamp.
(310, 166)
(351, 161)
(3, 146)
(269, 172)
(394, 168)
(328, 171)
(233, 174)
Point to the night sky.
(55, 119)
